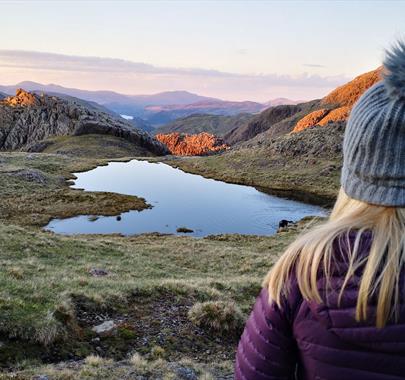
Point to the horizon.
(16, 85)
(212, 50)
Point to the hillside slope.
(215, 124)
(336, 106)
(276, 121)
(28, 118)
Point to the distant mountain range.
(156, 109)
(218, 125)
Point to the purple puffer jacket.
(304, 340)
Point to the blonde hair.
(381, 267)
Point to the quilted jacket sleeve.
(267, 349)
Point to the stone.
(186, 373)
(105, 328)
(98, 272)
(184, 230)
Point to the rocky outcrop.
(191, 145)
(28, 119)
(339, 102)
(22, 98)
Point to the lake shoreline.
(305, 196)
(179, 199)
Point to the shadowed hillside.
(269, 120)
(215, 124)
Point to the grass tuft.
(220, 316)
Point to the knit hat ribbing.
(374, 143)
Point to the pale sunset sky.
(236, 50)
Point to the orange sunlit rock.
(191, 145)
(22, 98)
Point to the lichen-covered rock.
(27, 119)
(192, 145)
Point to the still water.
(179, 199)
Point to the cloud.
(123, 75)
(241, 51)
(313, 65)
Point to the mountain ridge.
(27, 120)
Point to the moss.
(126, 333)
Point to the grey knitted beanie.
(374, 142)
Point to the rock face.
(191, 145)
(339, 102)
(27, 119)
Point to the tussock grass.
(220, 316)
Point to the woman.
(333, 306)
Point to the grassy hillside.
(51, 300)
(215, 124)
(95, 146)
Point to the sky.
(236, 50)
